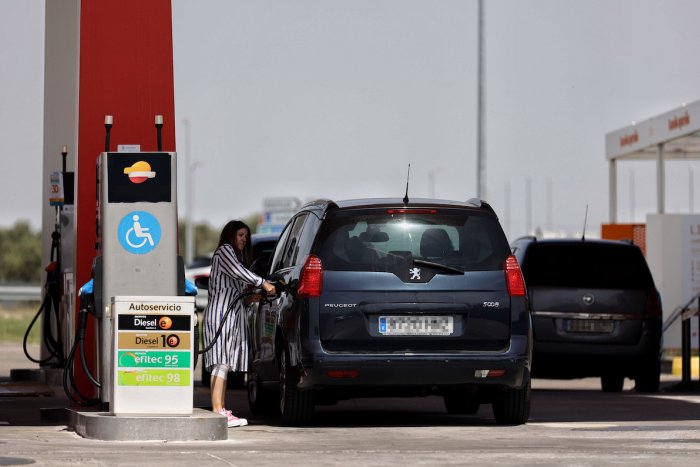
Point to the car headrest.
(435, 243)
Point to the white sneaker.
(232, 420)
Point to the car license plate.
(590, 325)
(416, 325)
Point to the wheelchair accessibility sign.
(139, 232)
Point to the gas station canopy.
(674, 135)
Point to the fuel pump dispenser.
(145, 344)
(139, 281)
(55, 310)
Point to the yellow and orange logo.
(139, 172)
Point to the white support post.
(660, 179)
(612, 196)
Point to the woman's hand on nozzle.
(269, 288)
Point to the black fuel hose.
(71, 389)
(279, 285)
(51, 301)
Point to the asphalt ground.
(571, 423)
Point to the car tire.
(612, 383)
(648, 376)
(296, 407)
(459, 403)
(512, 406)
(261, 401)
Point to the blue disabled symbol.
(139, 232)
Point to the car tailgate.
(469, 312)
(610, 316)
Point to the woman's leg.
(218, 387)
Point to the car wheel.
(648, 377)
(296, 407)
(512, 406)
(459, 403)
(260, 400)
(612, 383)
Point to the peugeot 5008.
(388, 298)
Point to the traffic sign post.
(276, 213)
(152, 360)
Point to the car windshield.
(385, 239)
(586, 265)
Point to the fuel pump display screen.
(138, 177)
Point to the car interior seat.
(435, 243)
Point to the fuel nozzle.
(280, 285)
(279, 282)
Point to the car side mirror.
(202, 282)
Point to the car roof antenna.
(585, 218)
(405, 197)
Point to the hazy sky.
(334, 99)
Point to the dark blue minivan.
(387, 298)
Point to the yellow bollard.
(677, 368)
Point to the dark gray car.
(387, 298)
(595, 311)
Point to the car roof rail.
(320, 203)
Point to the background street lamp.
(189, 196)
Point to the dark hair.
(228, 236)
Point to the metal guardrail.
(20, 293)
(681, 310)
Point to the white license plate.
(590, 325)
(416, 325)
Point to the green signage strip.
(153, 359)
(153, 377)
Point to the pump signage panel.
(139, 177)
(56, 197)
(153, 364)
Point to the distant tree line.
(20, 254)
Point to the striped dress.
(227, 280)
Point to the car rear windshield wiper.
(440, 266)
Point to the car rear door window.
(585, 265)
(289, 255)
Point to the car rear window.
(379, 240)
(586, 265)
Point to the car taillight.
(411, 211)
(311, 280)
(514, 278)
(652, 308)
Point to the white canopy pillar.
(612, 198)
(660, 179)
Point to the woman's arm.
(231, 266)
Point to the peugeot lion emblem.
(588, 299)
